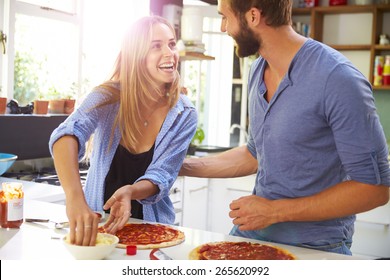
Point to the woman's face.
(163, 56)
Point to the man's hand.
(252, 212)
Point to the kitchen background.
(60, 49)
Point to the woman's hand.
(83, 223)
(120, 207)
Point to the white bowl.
(97, 252)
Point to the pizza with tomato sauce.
(227, 250)
(148, 236)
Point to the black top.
(125, 169)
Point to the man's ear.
(253, 17)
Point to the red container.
(337, 2)
(311, 3)
(11, 205)
(386, 80)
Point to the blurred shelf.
(381, 87)
(351, 47)
(194, 56)
(301, 11)
(379, 12)
(382, 47)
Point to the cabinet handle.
(174, 190)
(199, 189)
(238, 190)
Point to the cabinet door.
(176, 195)
(195, 204)
(221, 193)
(372, 235)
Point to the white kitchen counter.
(39, 191)
(43, 241)
(39, 241)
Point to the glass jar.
(191, 25)
(11, 205)
(383, 40)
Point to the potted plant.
(70, 100)
(3, 103)
(41, 105)
(56, 102)
(69, 104)
(196, 140)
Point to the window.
(63, 47)
(210, 82)
(46, 58)
(105, 22)
(43, 49)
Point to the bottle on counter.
(386, 71)
(378, 70)
(337, 2)
(11, 205)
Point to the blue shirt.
(320, 128)
(170, 150)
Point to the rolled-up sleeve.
(82, 123)
(358, 134)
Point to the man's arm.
(236, 162)
(344, 199)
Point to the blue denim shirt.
(170, 150)
(320, 128)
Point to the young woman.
(141, 127)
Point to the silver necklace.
(146, 122)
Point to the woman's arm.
(83, 222)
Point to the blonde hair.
(137, 86)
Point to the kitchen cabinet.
(176, 195)
(372, 233)
(195, 202)
(351, 29)
(221, 193)
(27, 135)
(206, 201)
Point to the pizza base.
(196, 255)
(179, 238)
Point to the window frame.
(9, 9)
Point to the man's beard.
(247, 43)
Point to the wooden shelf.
(383, 7)
(194, 56)
(345, 9)
(381, 87)
(351, 47)
(382, 47)
(317, 15)
(301, 11)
